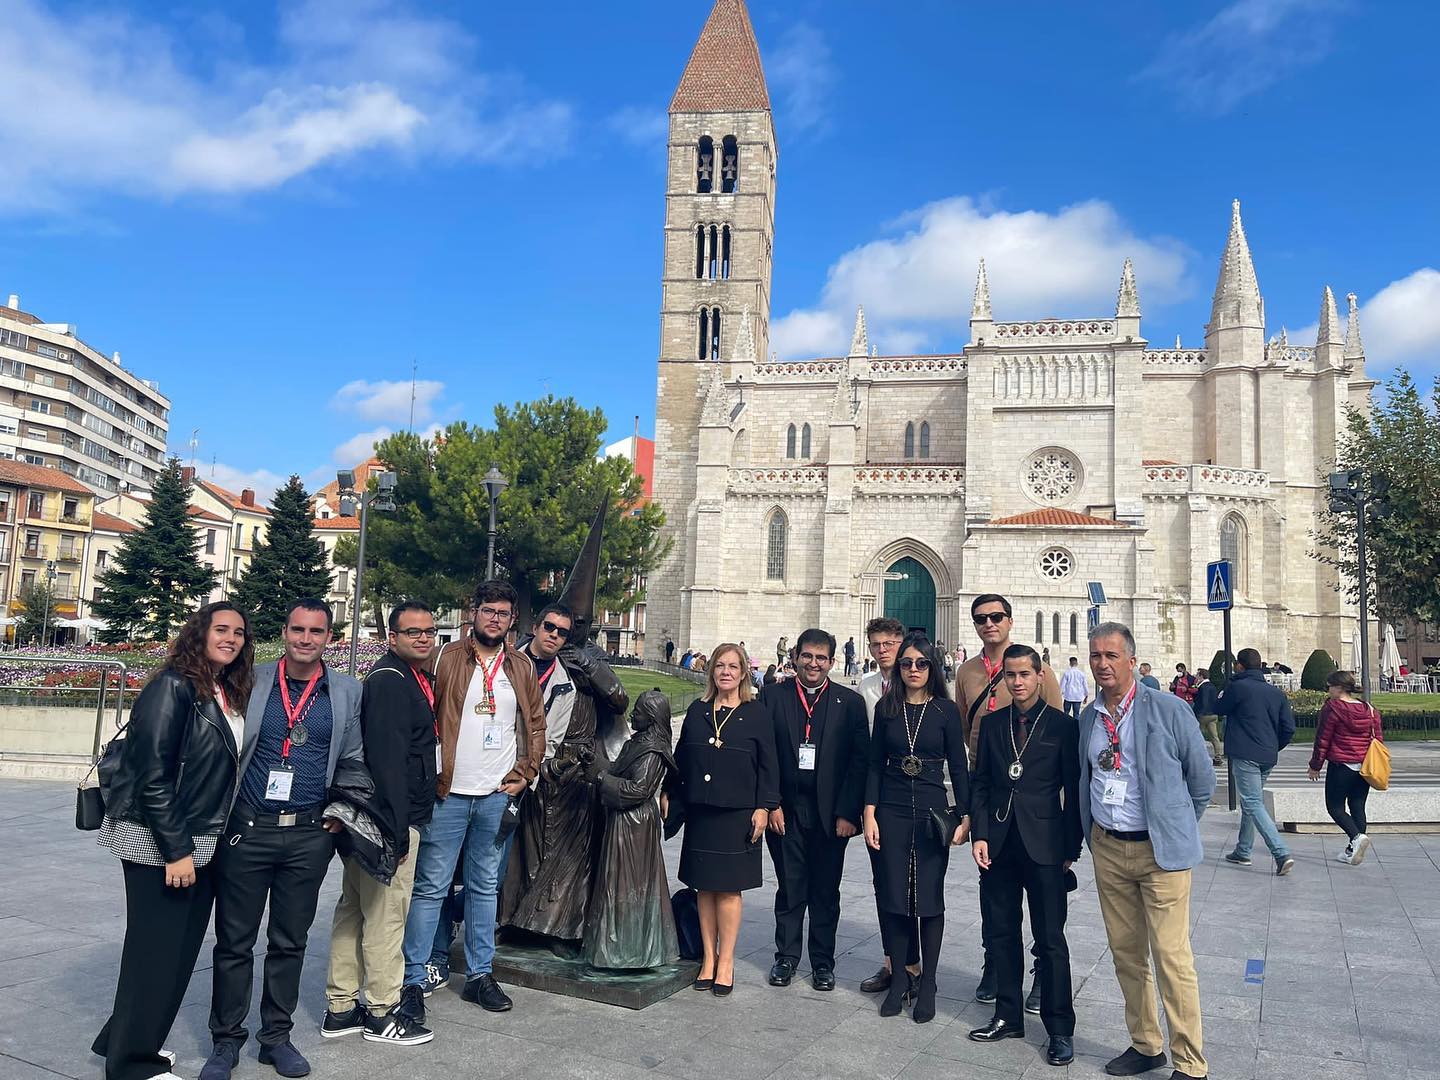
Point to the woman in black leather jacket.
(165, 807)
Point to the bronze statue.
(630, 923)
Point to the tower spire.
(860, 340)
(980, 309)
(1354, 347)
(724, 73)
(745, 340)
(1237, 292)
(1329, 332)
(1127, 305)
(716, 412)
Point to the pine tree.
(289, 564)
(156, 577)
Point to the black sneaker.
(285, 1059)
(412, 1002)
(397, 1028)
(484, 991)
(1132, 1063)
(349, 1022)
(221, 1062)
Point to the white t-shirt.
(479, 768)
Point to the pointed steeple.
(860, 339)
(842, 408)
(579, 592)
(724, 73)
(1127, 305)
(980, 309)
(1237, 292)
(1329, 332)
(1354, 347)
(745, 339)
(717, 400)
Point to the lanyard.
(490, 673)
(805, 703)
(1112, 727)
(990, 673)
(296, 713)
(429, 692)
(548, 672)
(220, 698)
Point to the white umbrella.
(64, 622)
(1390, 652)
(8, 620)
(1355, 649)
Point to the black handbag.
(90, 801)
(943, 823)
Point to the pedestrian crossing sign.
(1218, 595)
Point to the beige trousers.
(367, 939)
(1147, 916)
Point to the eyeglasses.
(415, 633)
(494, 614)
(995, 618)
(813, 658)
(880, 646)
(555, 628)
(910, 662)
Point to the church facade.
(1042, 455)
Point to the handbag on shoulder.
(1375, 769)
(90, 800)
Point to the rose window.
(1051, 476)
(1056, 563)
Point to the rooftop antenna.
(194, 442)
(213, 458)
(414, 365)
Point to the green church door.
(911, 598)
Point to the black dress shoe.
(877, 983)
(1132, 1063)
(822, 978)
(996, 1030)
(782, 972)
(1061, 1050)
(1178, 1075)
(985, 991)
(485, 992)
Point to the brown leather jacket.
(453, 671)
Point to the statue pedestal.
(537, 967)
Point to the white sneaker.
(169, 1055)
(1346, 855)
(1359, 846)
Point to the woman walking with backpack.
(1343, 734)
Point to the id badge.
(807, 756)
(277, 785)
(1114, 793)
(494, 733)
(439, 758)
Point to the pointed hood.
(1329, 331)
(1237, 292)
(724, 73)
(860, 340)
(579, 592)
(980, 309)
(1354, 347)
(1127, 304)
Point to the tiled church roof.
(1052, 516)
(724, 72)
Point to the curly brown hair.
(187, 657)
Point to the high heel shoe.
(702, 984)
(924, 1010)
(722, 989)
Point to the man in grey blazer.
(302, 720)
(1145, 779)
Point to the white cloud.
(802, 72)
(388, 400)
(359, 447)
(110, 102)
(918, 285)
(641, 126)
(262, 481)
(1242, 50)
(1400, 324)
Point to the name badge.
(807, 756)
(494, 733)
(439, 758)
(1114, 793)
(277, 785)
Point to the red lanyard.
(429, 692)
(297, 712)
(490, 673)
(805, 703)
(548, 672)
(990, 673)
(220, 698)
(1112, 727)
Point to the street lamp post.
(382, 498)
(1349, 492)
(49, 599)
(495, 483)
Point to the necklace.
(719, 725)
(1016, 769)
(910, 763)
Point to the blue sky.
(274, 208)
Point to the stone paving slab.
(1350, 991)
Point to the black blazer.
(1047, 795)
(742, 773)
(841, 745)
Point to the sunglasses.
(994, 618)
(555, 628)
(910, 662)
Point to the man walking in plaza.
(1205, 696)
(1147, 679)
(979, 691)
(1074, 690)
(397, 717)
(492, 740)
(822, 743)
(1145, 779)
(1259, 723)
(303, 719)
(850, 656)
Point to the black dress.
(718, 788)
(910, 865)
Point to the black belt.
(1143, 834)
(308, 816)
(892, 760)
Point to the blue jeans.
(461, 824)
(1249, 786)
(1074, 708)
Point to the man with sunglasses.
(979, 691)
(397, 723)
(557, 689)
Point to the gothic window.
(1039, 627)
(805, 442)
(1232, 547)
(1051, 475)
(1056, 564)
(704, 334)
(909, 440)
(725, 252)
(1055, 628)
(775, 537)
(790, 441)
(700, 251)
(924, 439)
(705, 165)
(715, 334)
(712, 262)
(729, 165)
(1074, 629)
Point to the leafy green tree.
(156, 577)
(37, 601)
(1317, 669)
(433, 547)
(288, 565)
(1397, 446)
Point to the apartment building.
(247, 523)
(45, 521)
(66, 406)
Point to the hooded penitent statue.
(552, 861)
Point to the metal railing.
(101, 691)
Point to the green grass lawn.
(680, 691)
(1406, 702)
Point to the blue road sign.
(1097, 593)
(1218, 595)
(1092, 619)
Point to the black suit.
(1032, 826)
(810, 859)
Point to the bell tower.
(719, 237)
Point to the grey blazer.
(1176, 776)
(345, 740)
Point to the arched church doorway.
(910, 595)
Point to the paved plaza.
(1329, 974)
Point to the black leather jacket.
(177, 768)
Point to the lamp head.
(346, 479)
(385, 481)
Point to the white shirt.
(872, 689)
(1129, 816)
(1073, 686)
(479, 771)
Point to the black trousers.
(1012, 872)
(1344, 786)
(163, 930)
(809, 861)
(259, 862)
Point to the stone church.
(827, 491)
